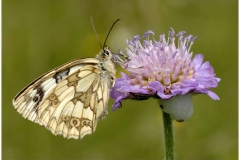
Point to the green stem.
(168, 136)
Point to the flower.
(162, 70)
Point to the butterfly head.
(106, 53)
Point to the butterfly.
(70, 99)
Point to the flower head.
(162, 69)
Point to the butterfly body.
(69, 100)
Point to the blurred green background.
(39, 35)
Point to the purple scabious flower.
(162, 69)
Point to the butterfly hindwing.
(68, 100)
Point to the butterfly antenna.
(96, 34)
(109, 32)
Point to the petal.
(124, 75)
(163, 96)
(155, 86)
(209, 93)
(197, 61)
(213, 95)
(117, 103)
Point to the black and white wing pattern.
(68, 100)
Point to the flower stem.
(168, 136)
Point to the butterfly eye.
(106, 53)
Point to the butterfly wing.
(68, 100)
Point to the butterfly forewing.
(70, 99)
